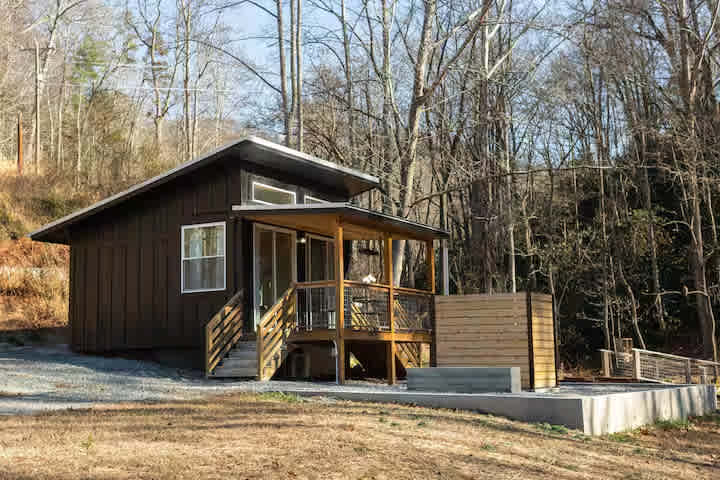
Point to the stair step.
(223, 372)
(239, 363)
(242, 354)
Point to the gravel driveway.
(34, 379)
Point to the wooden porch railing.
(413, 310)
(272, 332)
(367, 306)
(223, 331)
(316, 305)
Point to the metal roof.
(348, 213)
(250, 149)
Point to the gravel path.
(34, 379)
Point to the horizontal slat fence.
(493, 331)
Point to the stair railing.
(409, 354)
(274, 328)
(223, 331)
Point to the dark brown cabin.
(234, 256)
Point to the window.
(270, 195)
(203, 257)
(309, 199)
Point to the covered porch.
(391, 319)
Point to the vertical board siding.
(104, 329)
(147, 277)
(119, 298)
(172, 293)
(125, 263)
(132, 286)
(160, 294)
(93, 277)
(77, 294)
(492, 331)
(72, 315)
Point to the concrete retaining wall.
(593, 414)
(625, 411)
(464, 379)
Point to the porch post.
(391, 371)
(430, 259)
(339, 304)
(444, 268)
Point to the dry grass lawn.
(278, 436)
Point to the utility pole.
(38, 83)
(37, 108)
(20, 144)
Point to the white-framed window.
(269, 195)
(310, 199)
(203, 257)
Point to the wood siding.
(125, 263)
(543, 341)
(493, 331)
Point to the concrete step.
(235, 372)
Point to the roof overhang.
(313, 170)
(322, 218)
(253, 150)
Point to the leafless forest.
(570, 147)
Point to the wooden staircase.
(229, 353)
(409, 354)
(241, 361)
(272, 334)
(223, 332)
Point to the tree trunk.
(633, 306)
(298, 52)
(283, 73)
(293, 71)
(348, 84)
(78, 147)
(647, 198)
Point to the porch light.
(301, 238)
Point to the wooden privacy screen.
(503, 330)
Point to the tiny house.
(239, 256)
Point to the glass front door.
(320, 258)
(274, 267)
(319, 308)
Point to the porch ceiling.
(358, 223)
